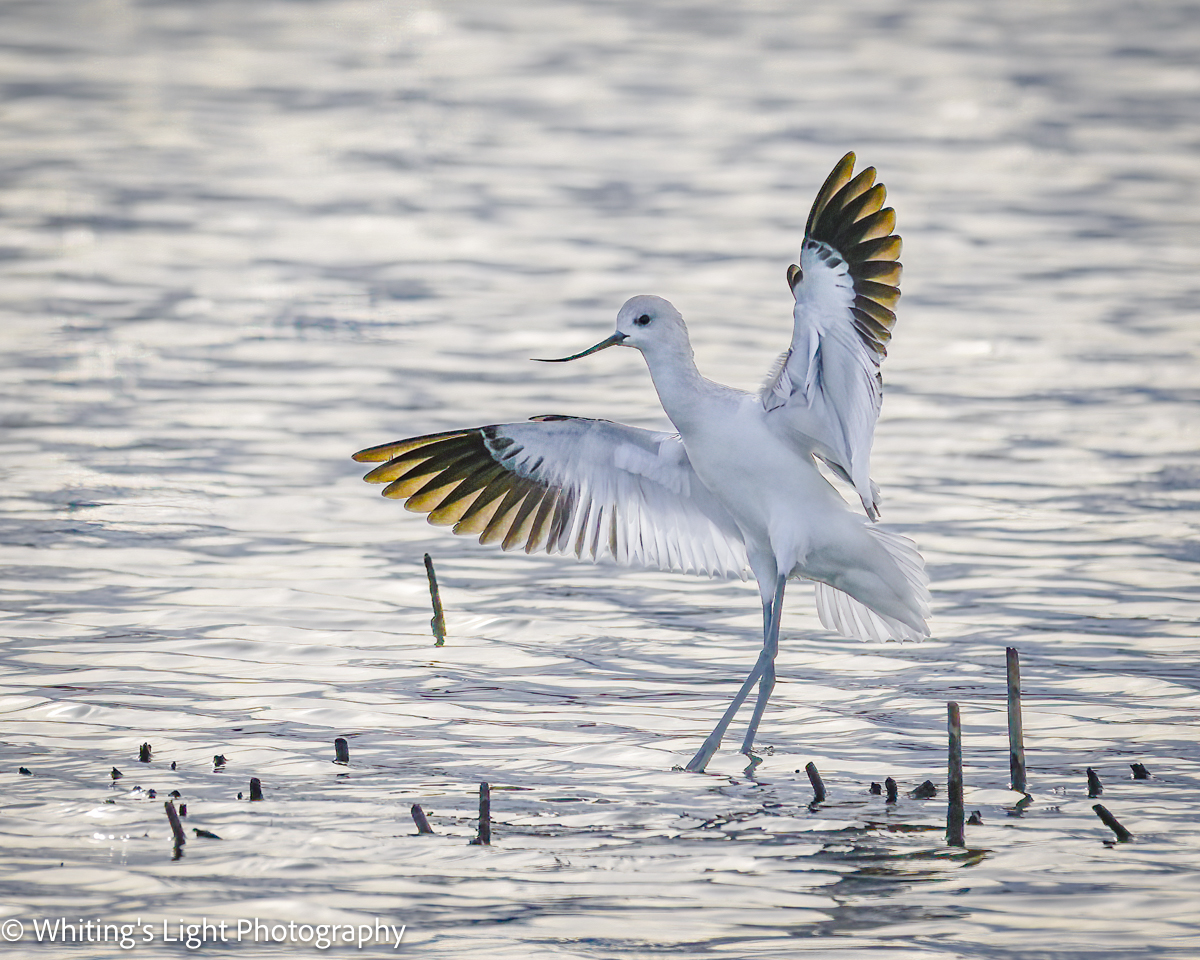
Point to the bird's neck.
(679, 384)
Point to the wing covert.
(566, 485)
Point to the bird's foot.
(752, 765)
(703, 755)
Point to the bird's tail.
(841, 612)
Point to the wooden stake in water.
(144, 752)
(892, 790)
(1095, 787)
(418, 816)
(814, 777)
(438, 623)
(341, 750)
(176, 826)
(484, 837)
(255, 788)
(1016, 736)
(954, 778)
(1111, 822)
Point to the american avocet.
(737, 490)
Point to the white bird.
(737, 488)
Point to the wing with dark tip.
(826, 390)
(566, 485)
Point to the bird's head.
(646, 323)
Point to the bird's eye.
(642, 320)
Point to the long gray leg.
(713, 741)
(770, 649)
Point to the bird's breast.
(771, 489)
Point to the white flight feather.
(635, 491)
(833, 412)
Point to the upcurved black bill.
(612, 341)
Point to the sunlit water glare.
(241, 241)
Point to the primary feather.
(567, 485)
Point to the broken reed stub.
(1095, 787)
(1111, 822)
(144, 752)
(255, 789)
(116, 774)
(954, 777)
(484, 837)
(176, 826)
(893, 792)
(818, 785)
(419, 819)
(1018, 808)
(1016, 733)
(1139, 771)
(438, 621)
(341, 750)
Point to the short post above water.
(954, 778)
(1016, 736)
(176, 826)
(420, 819)
(818, 785)
(1123, 835)
(484, 836)
(438, 621)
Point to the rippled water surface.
(240, 241)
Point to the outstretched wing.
(566, 485)
(827, 388)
